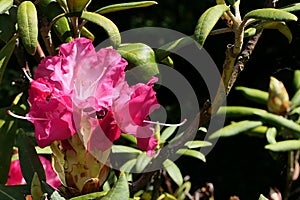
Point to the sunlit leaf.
(271, 14)
(110, 28)
(287, 145)
(29, 159)
(46, 150)
(28, 25)
(281, 27)
(271, 135)
(124, 149)
(125, 6)
(93, 195)
(197, 144)
(249, 32)
(295, 101)
(36, 188)
(86, 33)
(291, 8)
(207, 21)
(120, 190)
(235, 128)
(5, 5)
(5, 54)
(254, 95)
(142, 162)
(296, 80)
(192, 153)
(128, 166)
(168, 132)
(262, 197)
(173, 171)
(183, 190)
(140, 57)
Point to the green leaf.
(77, 5)
(125, 6)
(86, 33)
(250, 32)
(280, 26)
(295, 101)
(287, 145)
(16, 192)
(142, 58)
(61, 27)
(94, 195)
(173, 171)
(168, 132)
(128, 166)
(192, 153)
(271, 135)
(28, 25)
(124, 149)
(207, 21)
(110, 28)
(8, 24)
(5, 5)
(46, 150)
(130, 138)
(262, 197)
(235, 128)
(276, 120)
(296, 80)
(197, 144)
(29, 159)
(254, 95)
(120, 190)
(291, 8)
(142, 162)
(5, 54)
(36, 188)
(7, 136)
(271, 14)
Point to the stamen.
(23, 117)
(163, 124)
(26, 74)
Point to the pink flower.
(84, 91)
(15, 176)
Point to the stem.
(220, 31)
(46, 36)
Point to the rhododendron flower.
(15, 176)
(83, 91)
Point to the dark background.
(238, 165)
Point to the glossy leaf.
(7, 136)
(183, 190)
(77, 5)
(61, 27)
(281, 27)
(291, 8)
(13, 192)
(262, 197)
(192, 153)
(28, 25)
(207, 21)
(124, 149)
(255, 95)
(125, 6)
(128, 166)
(168, 132)
(142, 58)
(295, 101)
(287, 145)
(276, 120)
(173, 171)
(296, 80)
(110, 28)
(5, 54)
(5, 5)
(271, 14)
(29, 159)
(235, 128)
(271, 135)
(86, 33)
(142, 162)
(197, 144)
(120, 190)
(249, 32)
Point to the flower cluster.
(83, 91)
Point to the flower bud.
(278, 101)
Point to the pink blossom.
(84, 91)
(15, 176)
